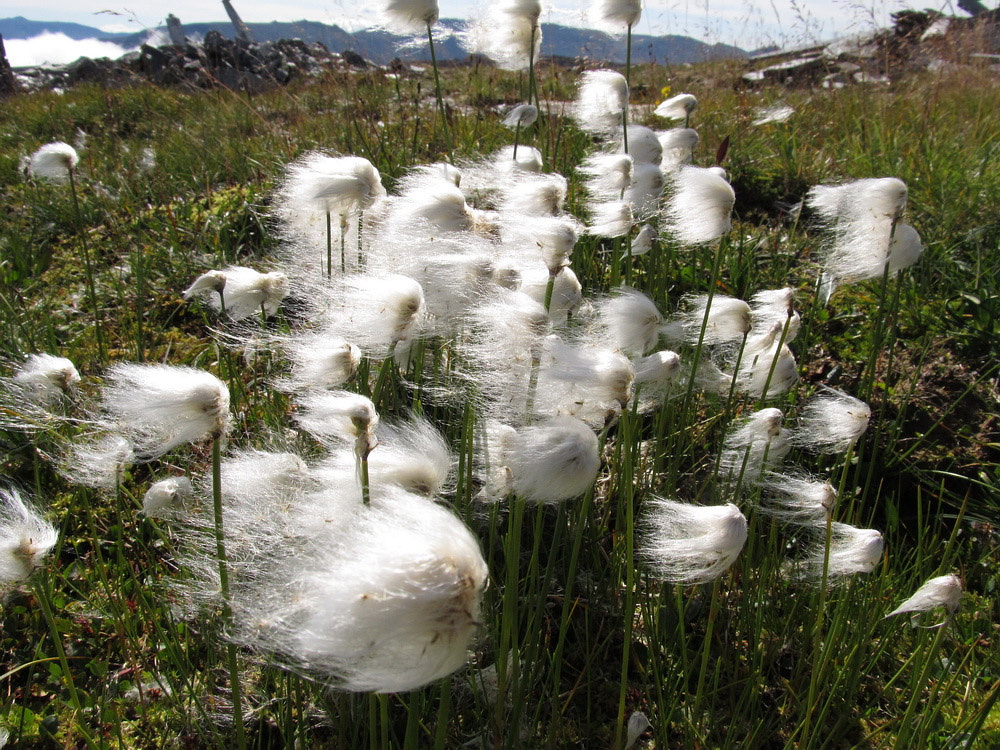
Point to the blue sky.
(746, 23)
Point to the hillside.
(381, 47)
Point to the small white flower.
(691, 544)
(25, 537)
(53, 162)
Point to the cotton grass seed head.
(341, 415)
(25, 537)
(699, 206)
(832, 422)
(552, 461)
(98, 462)
(676, 107)
(53, 162)
(392, 605)
(509, 34)
(678, 145)
(602, 98)
(631, 321)
(615, 16)
(614, 219)
(755, 443)
(521, 116)
(797, 498)
(942, 591)
(852, 550)
(166, 498)
(409, 16)
(45, 378)
(691, 544)
(607, 175)
(643, 145)
(159, 407)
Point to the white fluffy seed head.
(942, 591)
(319, 362)
(528, 159)
(552, 461)
(246, 292)
(643, 145)
(754, 444)
(412, 455)
(159, 407)
(386, 600)
(509, 33)
(852, 550)
(374, 311)
(166, 498)
(602, 98)
(587, 380)
(770, 311)
(535, 195)
(678, 145)
(555, 237)
(320, 183)
(46, 378)
(832, 422)
(882, 199)
(98, 462)
(645, 191)
(210, 281)
(522, 116)
(905, 248)
(25, 537)
(607, 175)
(797, 499)
(699, 207)
(728, 320)
(676, 107)
(768, 371)
(642, 243)
(53, 162)
(567, 292)
(692, 543)
(615, 16)
(631, 321)
(339, 414)
(774, 114)
(612, 219)
(409, 16)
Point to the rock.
(354, 59)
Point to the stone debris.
(918, 40)
(244, 66)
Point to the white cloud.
(57, 49)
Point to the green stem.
(227, 612)
(89, 268)
(437, 85)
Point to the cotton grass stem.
(227, 613)
(437, 86)
(88, 268)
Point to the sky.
(749, 24)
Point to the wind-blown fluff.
(549, 462)
(45, 378)
(585, 380)
(409, 16)
(863, 217)
(341, 415)
(677, 146)
(98, 462)
(852, 550)
(691, 544)
(832, 422)
(509, 34)
(942, 591)
(643, 145)
(602, 99)
(724, 319)
(797, 498)
(755, 443)
(614, 16)
(699, 207)
(318, 361)
(25, 537)
(608, 176)
(630, 321)
(676, 107)
(380, 598)
(53, 162)
(522, 116)
(613, 219)
(159, 407)
(166, 498)
(241, 291)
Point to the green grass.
(580, 634)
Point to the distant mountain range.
(381, 47)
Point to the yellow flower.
(665, 91)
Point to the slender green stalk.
(227, 612)
(329, 246)
(437, 86)
(89, 269)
